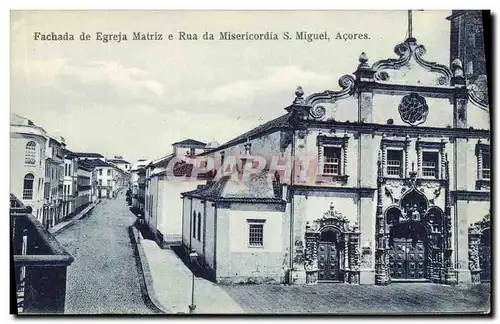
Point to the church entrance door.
(407, 253)
(329, 256)
(485, 256)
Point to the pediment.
(411, 68)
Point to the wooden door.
(328, 262)
(407, 261)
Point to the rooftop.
(85, 154)
(281, 122)
(190, 141)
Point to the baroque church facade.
(396, 187)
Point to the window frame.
(255, 223)
(340, 142)
(395, 145)
(193, 224)
(30, 153)
(481, 150)
(435, 147)
(436, 168)
(401, 166)
(26, 190)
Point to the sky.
(136, 98)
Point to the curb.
(70, 222)
(146, 280)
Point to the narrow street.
(103, 279)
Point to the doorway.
(408, 252)
(485, 255)
(329, 256)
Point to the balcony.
(40, 264)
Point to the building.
(54, 171)
(137, 186)
(384, 180)
(163, 206)
(120, 163)
(69, 183)
(83, 185)
(27, 163)
(105, 177)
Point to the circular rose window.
(413, 109)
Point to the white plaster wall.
(386, 106)
(186, 206)
(477, 117)
(316, 206)
(238, 231)
(342, 110)
(209, 252)
(170, 214)
(18, 169)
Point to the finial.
(332, 206)
(363, 59)
(457, 68)
(299, 92)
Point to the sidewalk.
(171, 284)
(62, 225)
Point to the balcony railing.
(40, 264)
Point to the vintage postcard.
(250, 162)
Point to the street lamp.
(193, 256)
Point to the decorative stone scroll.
(478, 92)
(346, 82)
(405, 52)
(474, 242)
(333, 220)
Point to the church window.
(331, 162)
(431, 159)
(483, 162)
(395, 163)
(199, 226)
(256, 232)
(430, 163)
(332, 156)
(194, 224)
(485, 174)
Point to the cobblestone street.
(353, 299)
(103, 278)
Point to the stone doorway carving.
(342, 259)
(412, 239)
(480, 250)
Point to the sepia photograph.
(250, 162)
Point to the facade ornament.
(346, 82)
(413, 109)
(478, 92)
(299, 93)
(457, 68)
(363, 60)
(405, 52)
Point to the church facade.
(383, 180)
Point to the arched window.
(199, 226)
(28, 186)
(194, 224)
(30, 155)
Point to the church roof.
(258, 188)
(281, 122)
(190, 141)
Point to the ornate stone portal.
(422, 221)
(347, 239)
(479, 252)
